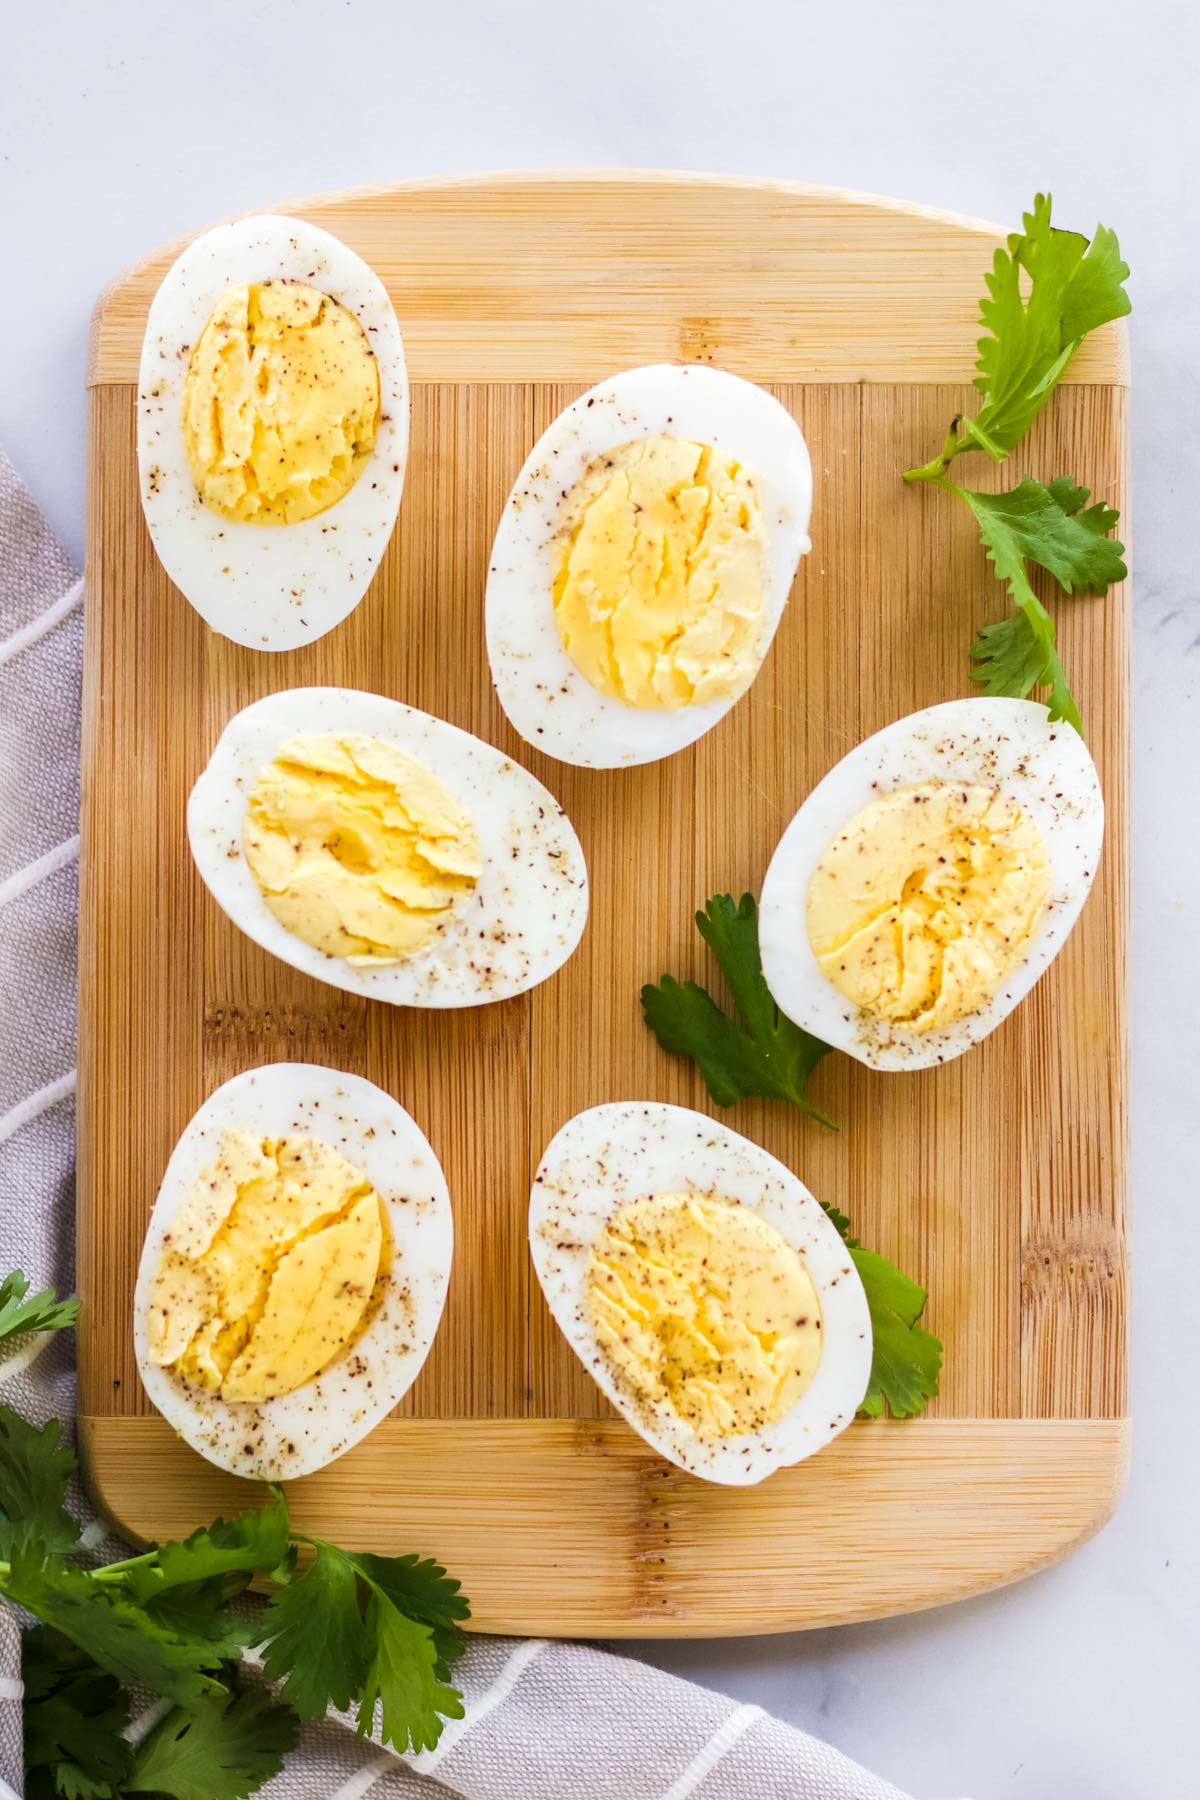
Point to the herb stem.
(115, 1571)
(935, 470)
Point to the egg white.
(520, 922)
(1011, 745)
(544, 695)
(279, 1439)
(271, 587)
(607, 1157)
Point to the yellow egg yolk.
(280, 404)
(927, 900)
(660, 574)
(357, 848)
(269, 1268)
(700, 1303)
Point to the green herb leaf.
(1055, 528)
(397, 1656)
(1012, 656)
(771, 1057)
(35, 1467)
(187, 1586)
(251, 1543)
(200, 1609)
(402, 1679)
(907, 1359)
(422, 1589)
(315, 1640)
(1073, 287)
(67, 1780)
(110, 1628)
(163, 1621)
(1017, 654)
(223, 1749)
(74, 1716)
(22, 1312)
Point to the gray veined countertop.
(119, 130)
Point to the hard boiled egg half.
(702, 1287)
(930, 879)
(385, 851)
(272, 428)
(643, 562)
(294, 1270)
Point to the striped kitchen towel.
(543, 1721)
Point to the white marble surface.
(122, 127)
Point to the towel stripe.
(20, 1360)
(11, 1689)
(365, 1779)
(42, 625)
(718, 1745)
(7, 1793)
(40, 870)
(144, 1724)
(426, 1761)
(34, 1105)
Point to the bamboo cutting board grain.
(999, 1179)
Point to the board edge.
(1076, 1499)
(1114, 371)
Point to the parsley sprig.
(906, 1360)
(346, 1629)
(768, 1056)
(1033, 327)
(76, 1716)
(22, 1312)
(1055, 528)
(1073, 286)
(395, 1655)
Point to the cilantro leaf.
(402, 1679)
(315, 1641)
(201, 1610)
(251, 1543)
(1054, 527)
(68, 1780)
(771, 1056)
(187, 1586)
(1017, 654)
(396, 1656)
(220, 1559)
(163, 1621)
(1073, 288)
(74, 1716)
(113, 1630)
(906, 1359)
(1077, 284)
(22, 1312)
(422, 1589)
(223, 1749)
(1030, 337)
(35, 1467)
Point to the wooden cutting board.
(999, 1180)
